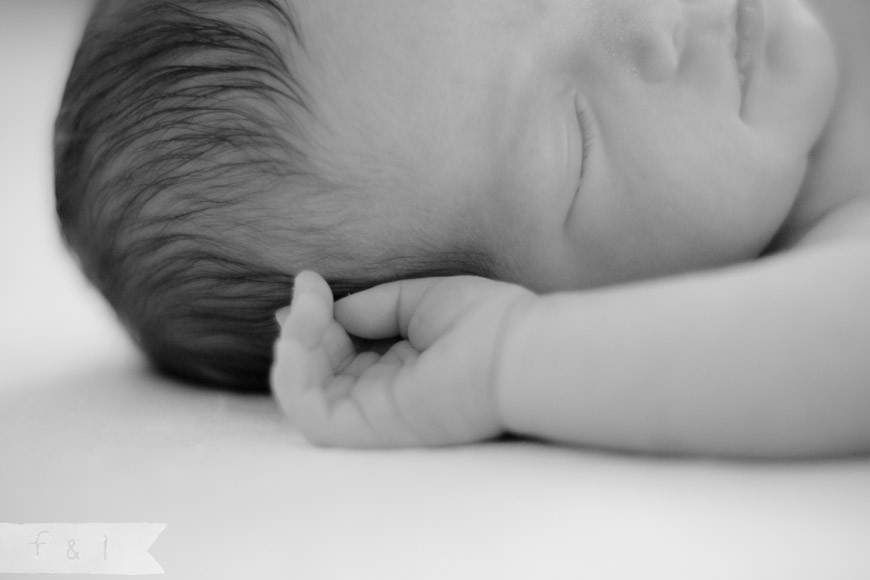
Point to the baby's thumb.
(383, 311)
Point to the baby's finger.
(360, 364)
(308, 320)
(309, 311)
(290, 374)
(338, 346)
(374, 396)
(401, 354)
(384, 311)
(281, 315)
(308, 281)
(339, 388)
(308, 288)
(345, 427)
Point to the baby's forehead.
(412, 105)
(381, 75)
(408, 115)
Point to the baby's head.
(191, 183)
(208, 150)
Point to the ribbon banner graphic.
(79, 549)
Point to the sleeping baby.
(631, 224)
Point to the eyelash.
(585, 123)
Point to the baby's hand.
(436, 386)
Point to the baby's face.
(575, 142)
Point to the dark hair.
(169, 114)
(176, 117)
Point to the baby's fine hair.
(167, 127)
(179, 140)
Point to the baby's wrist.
(509, 363)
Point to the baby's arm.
(770, 360)
(434, 387)
(765, 360)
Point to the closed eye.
(584, 125)
(584, 121)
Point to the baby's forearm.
(769, 360)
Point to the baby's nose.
(656, 32)
(649, 33)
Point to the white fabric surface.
(87, 434)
